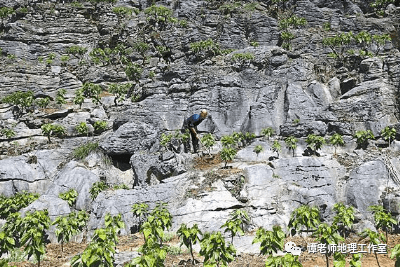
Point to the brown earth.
(54, 257)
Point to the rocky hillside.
(90, 91)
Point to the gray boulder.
(31, 172)
(366, 186)
(150, 169)
(74, 176)
(130, 138)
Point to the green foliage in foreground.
(215, 251)
(34, 226)
(70, 225)
(9, 205)
(227, 154)
(271, 241)
(305, 216)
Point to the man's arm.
(193, 130)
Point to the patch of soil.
(54, 257)
(206, 162)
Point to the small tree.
(374, 239)
(326, 234)
(235, 224)
(140, 210)
(60, 96)
(267, 132)
(53, 129)
(383, 220)
(258, 149)
(82, 128)
(67, 227)
(227, 154)
(271, 241)
(120, 91)
(291, 143)
(33, 238)
(305, 216)
(388, 134)
(336, 140)
(43, 102)
(315, 142)
(208, 141)
(344, 217)
(395, 253)
(96, 188)
(100, 126)
(276, 147)
(69, 196)
(190, 236)
(363, 137)
(215, 251)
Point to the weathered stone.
(74, 176)
(150, 169)
(18, 174)
(131, 138)
(366, 186)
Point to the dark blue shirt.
(194, 120)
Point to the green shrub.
(79, 97)
(60, 96)
(76, 50)
(267, 132)
(5, 12)
(70, 225)
(236, 222)
(336, 140)
(363, 137)
(96, 188)
(254, 44)
(22, 100)
(100, 126)
(276, 147)
(190, 236)
(133, 72)
(388, 134)
(344, 218)
(208, 141)
(227, 154)
(92, 91)
(82, 128)
(305, 216)
(83, 151)
(271, 241)
(258, 149)
(9, 205)
(53, 130)
(43, 102)
(215, 251)
(291, 143)
(69, 196)
(124, 11)
(315, 142)
(8, 133)
(120, 91)
(120, 186)
(205, 48)
(383, 219)
(34, 226)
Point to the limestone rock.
(74, 176)
(130, 138)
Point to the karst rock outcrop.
(119, 76)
